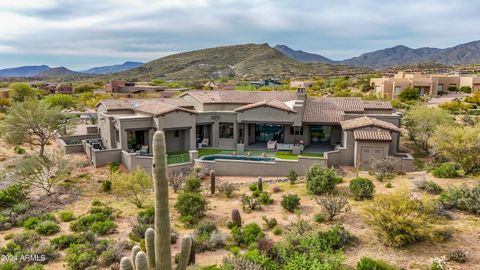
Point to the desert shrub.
(383, 168)
(388, 185)
(98, 220)
(333, 205)
(456, 106)
(462, 198)
(107, 186)
(31, 222)
(250, 203)
(208, 237)
(319, 217)
(191, 207)
(176, 182)
(47, 228)
(135, 186)
(64, 241)
(199, 171)
(458, 256)
(277, 230)
(35, 266)
(298, 228)
(19, 150)
(290, 202)
(264, 198)
(452, 88)
(409, 94)
(361, 188)
(446, 170)
(12, 195)
(253, 187)
(28, 244)
(429, 186)
(292, 177)
(239, 263)
(80, 256)
(112, 253)
(399, 220)
(66, 216)
(246, 235)
(227, 189)
(321, 180)
(367, 263)
(466, 89)
(438, 263)
(113, 167)
(270, 223)
(192, 183)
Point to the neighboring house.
(270, 82)
(301, 84)
(426, 84)
(348, 131)
(219, 86)
(63, 89)
(4, 92)
(124, 87)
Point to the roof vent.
(135, 104)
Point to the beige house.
(124, 87)
(348, 131)
(301, 84)
(426, 84)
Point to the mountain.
(112, 69)
(468, 53)
(25, 71)
(59, 72)
(240, 61)
(302, 56)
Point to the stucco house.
(348, 131)
(426, 84)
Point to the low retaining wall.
(73, 144)
(226, 167)
(102, 157)
(132, 161)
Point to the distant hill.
(25, 71)
(463, 54)
(239, 61)
(302, 56)
(58, 72)
(112, 69)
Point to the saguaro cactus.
(236, 218)
(212, 182)
(260, 184)
(185, 253)
(157, 241)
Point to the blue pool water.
(236, 157)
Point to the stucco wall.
(260, 168)
(265, 114)
(103, 157)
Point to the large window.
(398, 89)
(226, 130)
(269, 132)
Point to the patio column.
(245, 133)
(193, 137)
(150, 140)
(215, 134)
(235, 132)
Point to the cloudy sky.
(80, 34)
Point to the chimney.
(301, 94)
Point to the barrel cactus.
(236, 218)
(157, 240)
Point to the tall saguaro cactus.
(163, 257)
(157, 241)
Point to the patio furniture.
(271, 144)
(204, 143)
(284, 146)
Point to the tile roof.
(322, 111)
(372, 135)
(270, 103)
(130, 104)
(373, 105)
(239, 97)
(347, 104)
(366, 121)
(159, 108)
(116, 104)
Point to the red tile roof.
(372, 135)
(366, 121)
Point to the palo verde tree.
(43, 172)
(34, 122)
(20, 92)
(421, 122)
(135, 186)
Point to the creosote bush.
(321, 180)
(290, 202)
(429, 186)
(400, 220)
(462, 198)
(244, 236)
(446, 170)
(361, 188)
(332, 206)
(191, 206)
(367, 263)
(227, 189)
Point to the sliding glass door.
(269, 132)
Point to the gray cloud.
(109, 31)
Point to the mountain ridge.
(113, 68)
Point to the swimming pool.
(236, 157)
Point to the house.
(124, 87)
(301, 84)
(348, 131)
(269, 82)
(426, 84)
(4, 92)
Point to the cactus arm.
(141, 262)
(133, 255)
(185, 253)
(126, 264)
(163, 259)
(236, 218)
(150, 247)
